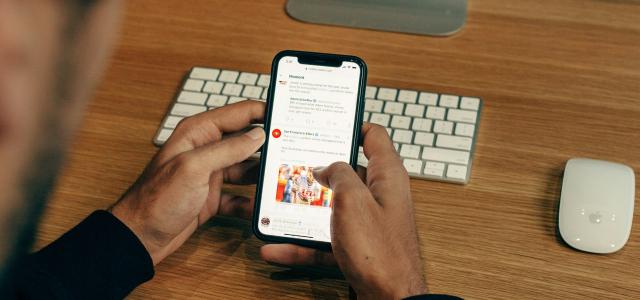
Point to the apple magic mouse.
(596, 205)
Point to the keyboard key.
(433, 168)
(380, 119)
(449, 101)
(193, 85)
(373, 105)
(233, 100)
(459, 115)
(402, 136)
(400, 122)
(217, 100)
(164, 135)
(457, 172)
(248, 78)
(424, 138)
(171, 122)
(443, 127)
(428, 99)
(434, 112)
(393, 108)
(432, 133)
(414, 110)
(252, 91)
(264, 80)
(470, 103)
(186, 110)
(213, 87)
(410, 151)
(204, 73)
(387, 94)
(422, 124)
(407, 96)
(370, 92)
(455, 142)
(445, 155)
(412, 165)
(228, 76)
(232, 89)
(465, 129)
(192, 98)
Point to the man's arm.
(373, 233)
(110, 253)
(100, 258)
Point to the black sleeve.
(100, 258)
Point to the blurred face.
(51, 56)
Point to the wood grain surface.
(559, 79)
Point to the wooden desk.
(560, 78)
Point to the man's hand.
(373, 233)
(181, 187)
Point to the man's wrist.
(396, 288)
(122, 214)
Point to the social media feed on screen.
(311, 126)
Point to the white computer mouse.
(596, 205)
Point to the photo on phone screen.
(313, 120)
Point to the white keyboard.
(433, 133)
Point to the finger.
(220, 155)
(386, 176)
(236, 206)
(377, 144)
(362, 173)
(293, 255)
(345, 183)
(246, 172)
(209, 126)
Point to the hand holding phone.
(313, 118)
(374, 240)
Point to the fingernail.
(256, 133)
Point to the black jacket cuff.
(99, 258)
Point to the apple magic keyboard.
(434, 134)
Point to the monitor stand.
(429, 17)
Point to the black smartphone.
(313, 118)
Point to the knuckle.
(185, 124)
(377, 129)
(185, 164)
(338, 167)
(348, 192)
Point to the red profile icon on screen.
(276, 133)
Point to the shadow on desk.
(227, 245)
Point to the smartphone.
(313, 119)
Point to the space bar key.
(445, 155)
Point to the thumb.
(343, 180)
(228, 152)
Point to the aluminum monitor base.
(428, 17)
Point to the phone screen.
(311, 125)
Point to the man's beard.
(46, 158)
